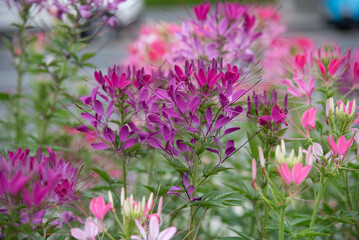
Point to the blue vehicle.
(342, 12)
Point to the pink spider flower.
(300, 88)
(330, 61)
(297, 175)
(99, 208)
(300, 61)
(341, 146)
(308, 120)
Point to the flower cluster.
(226, 32)
(36, 183)
(80, 9)
(153, 47)
(195, 112)
(325, 65)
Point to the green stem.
(18, 105)
(105, 231)
(124, 174)
(265, 191)
(52, 108)
(266, 214)
(351, 209)
(152, 159)
(20, 74)
(323, 182)
(347, 190)
(47, 117)
(193, 208)
(281, 224)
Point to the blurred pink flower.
(99, 208)
(308, 120)
(90, 232)
(154, 231)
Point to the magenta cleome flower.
(275, 119)
(210, 80)
(201, 11)
(36, 182)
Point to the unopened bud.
(110, 198)
(254, 174)
(122, 196)
(262, 160)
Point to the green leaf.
(103, 174)
(4, 96)
(309, 233)
(230, 238)
(87, 56)
(253, 146)
(214, 171)
(151, 189)
(90, 65)
(243, 235)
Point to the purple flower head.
(264, 103)
(35, 182)
(274, 120)
(84, 11)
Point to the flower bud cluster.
(135, 210)
(342, 116)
